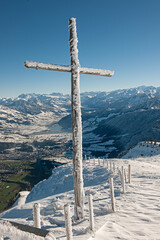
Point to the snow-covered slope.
(137, 211)
(145, 149)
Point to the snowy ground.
(137, 215)
(147, 148)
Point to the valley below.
(37, 129)
(113, 122)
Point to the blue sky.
(119, 35)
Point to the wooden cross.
(75, 70)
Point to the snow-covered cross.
(75, 70)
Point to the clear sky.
(119, 35)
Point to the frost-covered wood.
(107, 165)
(111, 166)
(120, 175)
(47, 66)
(103, 162)
(100, 72)
(112, 194)
(63, 68)
(68, 222)
(36, 215)
(129, 173)
(123, 180)
(41, 233)
(125, 177)
(76, 122)
(91, 215)
(114, 168)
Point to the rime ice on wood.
(76, 122)
(63, 68)
(91, 216)
(68, 222)
(123, 180)
(114, 169)
(129, 173)
(112, 194)
(107, 164)
(103, 162)
(75, 70)
(120, 175)
(36, 215)
(125, 177)
(111, 166)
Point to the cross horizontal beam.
(62, 68)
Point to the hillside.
(137, 210)
(146, 149)
(118, 120)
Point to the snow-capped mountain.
(112, 121)
(36, 103)
(133, 98)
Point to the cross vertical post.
(76, 122)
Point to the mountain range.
(112, 121)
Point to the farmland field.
(16, 176)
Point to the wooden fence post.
(68, 222)
(123, 182)
(91, 215)
(125, 176)
(114, 169)
(112, 194)
(129, 173)
(120, 175)
(103, 162)
(36, 215)
(110, 166)
(107, 165)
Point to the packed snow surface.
(137, 215)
